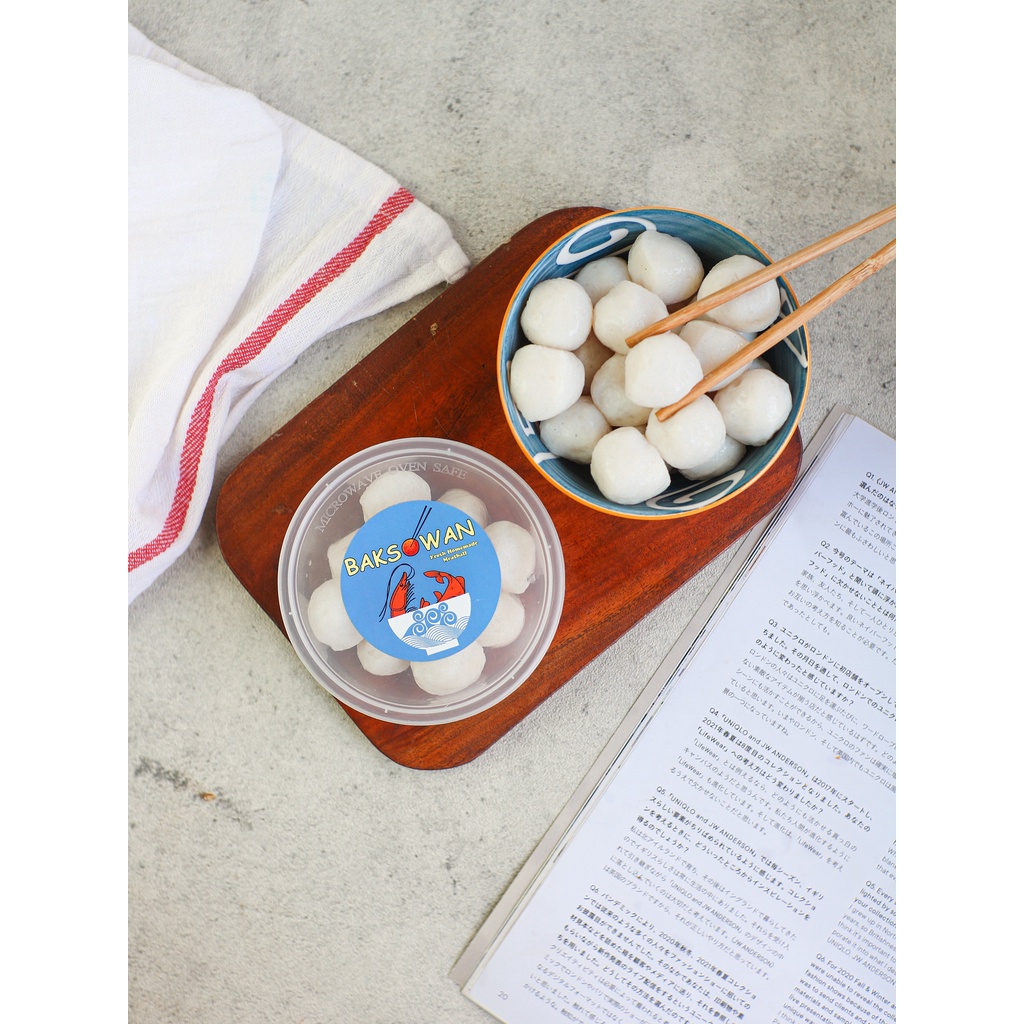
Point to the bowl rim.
(444, 711)
(795, 415)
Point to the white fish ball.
(627, 468)
(377, 662)
(517, 554)
(660, 369)
(506, 624)
(608, 390)
(726, 458)
(754, 406)
(665, 265)
(601, 275)
(473, 506)
(753, 311)
(328, 619)
(336, 553)
(593, 355)
(450, 674)
(558, 313)
(712, 344)
(690, 436)
(626, 309)
(572, 434)
(392, 488)
(544, 381)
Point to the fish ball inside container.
(450, 674)
(665, 265)
(328, 619)
(660, 369)
(572, 434)
(593, 355)
(712, 344)
(544, 381)
(608, 390)
(754, 406)
(377, 662)
(392, 488)
(690, 436)
(517, 554)
(626, 309)
(753, 311)
(600, 276)
(473, 506)
(506, 624)
(558, 313)
(336, 553)
(627, 468)
(726, 458)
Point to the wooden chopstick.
(785, 326)
(768, 273)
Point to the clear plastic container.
(453, 548)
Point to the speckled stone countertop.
(280, 867)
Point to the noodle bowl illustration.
(433, 628)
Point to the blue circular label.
(420, 580)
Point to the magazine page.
(739, 862)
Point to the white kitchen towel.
(250, 237)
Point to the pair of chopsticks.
(788, 324)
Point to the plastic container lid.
(420, 579)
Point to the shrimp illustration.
(453, 585)
(400, 596)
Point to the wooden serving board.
(436, 377)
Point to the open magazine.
(731, 856)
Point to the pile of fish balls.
(595, 399)
(516, 551)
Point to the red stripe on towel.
(249, 349)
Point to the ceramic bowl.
(613, 234)
(420, 579)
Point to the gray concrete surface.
(324, 882)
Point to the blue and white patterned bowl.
(610, 235)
